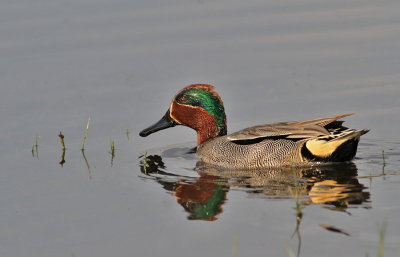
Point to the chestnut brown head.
(198, 107)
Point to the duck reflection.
(203, 194)
(202, 197)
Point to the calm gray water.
(120, 62)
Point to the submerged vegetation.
(35, 146)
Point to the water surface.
(121, 62)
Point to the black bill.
(165, 122)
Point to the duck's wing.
(290, 129)
(328, 122)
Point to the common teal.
(284, 143)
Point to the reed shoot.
(85, 134)
(61, 136)
(145, 163)
(112, 151)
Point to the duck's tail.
(333, 148)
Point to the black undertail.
(343, 153)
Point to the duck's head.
(198, 107)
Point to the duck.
(291, 143)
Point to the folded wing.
(295, 130)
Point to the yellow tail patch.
(323, 148)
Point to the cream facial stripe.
(170, 113)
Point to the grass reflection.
(35, 148)
(295, 192)
(87, 163)
(382, 233)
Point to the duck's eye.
(182, 99)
